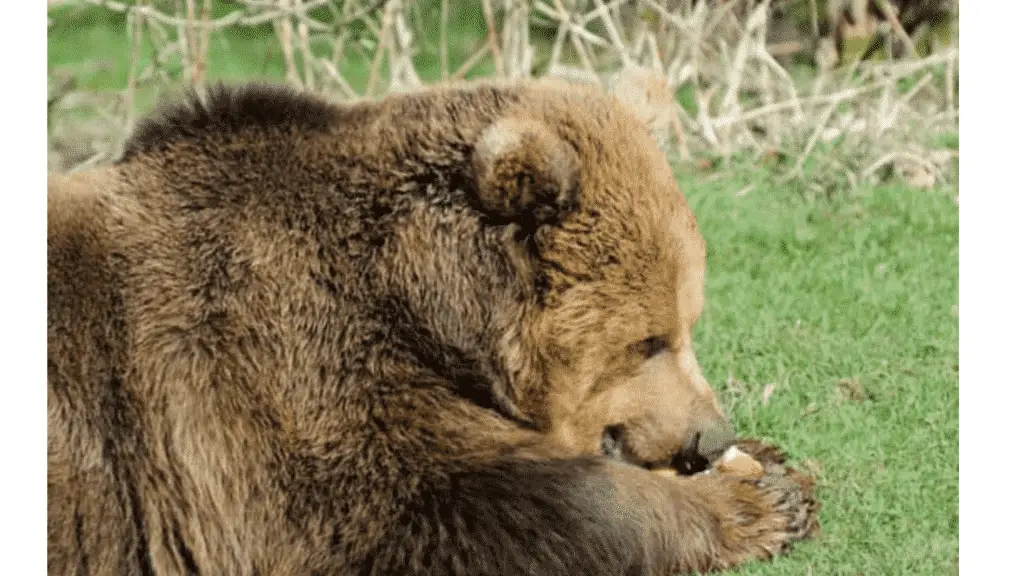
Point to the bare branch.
(444, 39)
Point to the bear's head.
(617, 263)
(530, 237)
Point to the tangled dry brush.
(878, 118)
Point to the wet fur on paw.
(762, 518)
(773, 459)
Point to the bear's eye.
(652, 346)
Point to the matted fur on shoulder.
(226, 108)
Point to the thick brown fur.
(288, 336)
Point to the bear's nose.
(715, 440)
(704, 447)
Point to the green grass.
(849, 309)
(845, 305)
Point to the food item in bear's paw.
(734, 462)
(738, 463)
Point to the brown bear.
(448, 332)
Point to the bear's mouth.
(612, 442)
(689, 460)
(686, 462)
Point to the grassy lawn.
(848, 309)
(845, 307)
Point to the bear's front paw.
(758, 518)
(773, 460)
(770, 513)
(792, 500)
(769, 455)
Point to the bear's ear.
(525, 173)
(647, 94)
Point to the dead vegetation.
(843, 122)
